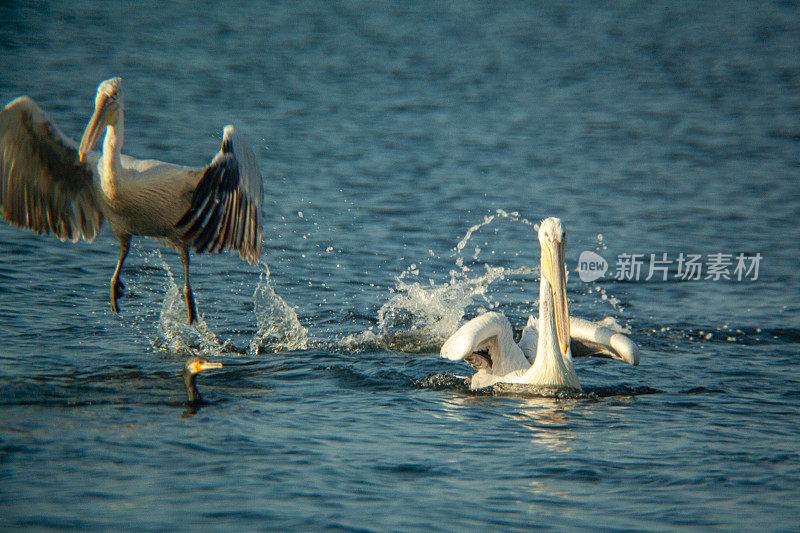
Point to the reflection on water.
(548, 422)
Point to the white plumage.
(51, 185)
(543, 357)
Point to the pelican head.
(553, 240)
(107, 105)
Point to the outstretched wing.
(225, 212)
(43, 185)
(487, 343)
(586, 339)
(591, 339)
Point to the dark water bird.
(194, 365)
(543, 357)
(51, 185)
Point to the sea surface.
(409, 151)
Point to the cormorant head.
(194, 365)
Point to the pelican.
(49, 184)
(194, 365)
(543, 357)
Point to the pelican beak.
(554, 270)
(105, 113)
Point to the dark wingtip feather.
(221, 210)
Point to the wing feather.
(43, 185)
(225, 210)
(591, 339)
(491, 337)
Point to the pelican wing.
(225, 212)
(586, 339)
(592, 339)
(487, 343)
(43, 185)
(529, 341)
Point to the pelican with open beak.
(543, 357)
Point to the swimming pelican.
(51, 185)
(543, 357)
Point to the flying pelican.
(194, 365)
(51, 185)
(543, 357)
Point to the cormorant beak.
(105, 113)
(207, 365)
(554, 270)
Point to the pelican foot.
(117, 292)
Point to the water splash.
(174, 332)
(436, 311)
(418, 318)
(611, 323)
(611, 300)
(420, 315)
(606, 297)
(488, 219)
(278, 325)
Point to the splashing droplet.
(173, 327)
(278, 325)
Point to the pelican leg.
(117, 288)
(187, 290)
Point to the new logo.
(591, 266)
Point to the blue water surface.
(386, 133)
